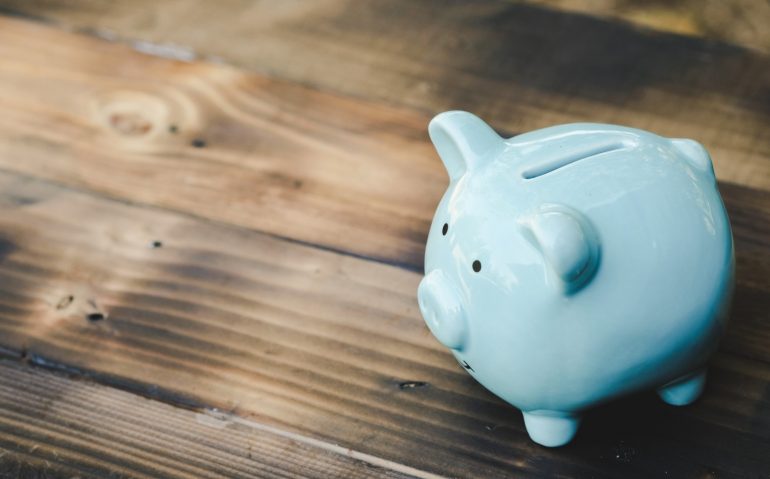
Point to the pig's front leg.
(551, 428)
(684, 390)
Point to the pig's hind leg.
(551, 428)
(684, 390)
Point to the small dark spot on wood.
(156, 244)
(23, 354)
(173, 129)
(199, 143)
(94, 317)
(412, 385)
(65, 301)
(6, 248)
(297, 184)
(21, 199)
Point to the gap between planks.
(334, 448)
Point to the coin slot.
(554, 163)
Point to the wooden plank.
(342, 173)
(54, 426)
(319, 344)
(520, 66)
(281, 158)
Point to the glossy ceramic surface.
(574, 264)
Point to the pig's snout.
(442, 308)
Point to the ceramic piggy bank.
(574, 264)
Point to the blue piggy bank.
(574, 264)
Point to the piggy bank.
(571, 265)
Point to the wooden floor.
(212, 224)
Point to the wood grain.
(520, 66)
(321, 344)
(213, 142)
(54, 426)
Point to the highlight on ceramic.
(574, 264)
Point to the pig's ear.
(463, 141)
(568, 243)
(695, 153)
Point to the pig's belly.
(653, 312)
(601, 354)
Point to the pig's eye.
(477, 266)
(445, 229)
